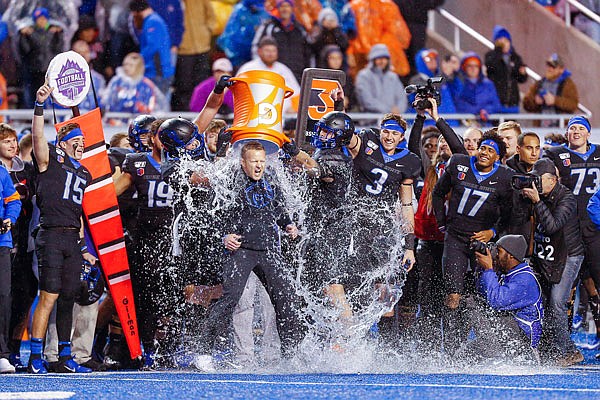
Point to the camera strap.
(531, 231)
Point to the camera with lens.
(426, 92)
(519, 182)
(481, 247)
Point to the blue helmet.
(339, 125)
(140, 126)
(178, 133)
(91, 284)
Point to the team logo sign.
(69, 75)
(461, 176)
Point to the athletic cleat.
(94, 365)
(37, 366)
(204, 363)
(577, 321)
(69, 366)
(149, 362)
(6, 367)
(592, 344)
(15, 360)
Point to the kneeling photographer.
(510, 321)
(557, 254)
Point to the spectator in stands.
(415, 15)
(292, 45)
(450, 69)
(88, 32)
(220, 67)
(155, 44)
(506, 69)
(478, 95)
(471, 139)
(555, 93)
(193, 62)
(38, 44)
(236, 39)
(509, 131)
(89, 103)
(328, 32)
(427, 64)
(306, 12)
(579, 19)
(130, 91)
(378, 89)
(378, 21)
(333, 58)
(120, 42)
(267, 61)
(172, 13)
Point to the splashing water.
(336, 341)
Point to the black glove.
(222, 83)
(223, 140)
(291, 148)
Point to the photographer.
(557, 256)
(513, 292)
(527, 153)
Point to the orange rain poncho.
(380, 21)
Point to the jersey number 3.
(377, 186)
(74, 188)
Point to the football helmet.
(178, 135)
(140, 126)
(339, 128)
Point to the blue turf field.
(580, 382)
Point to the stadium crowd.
(498, 227)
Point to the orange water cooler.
(258, 109)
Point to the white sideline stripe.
(92, 153)
(112, 248)
(337, 384)
(37, 395)
(97, 185)
(120, 279)
(104, 217)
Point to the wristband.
(39, 109)
(82, 245)
(494, 231)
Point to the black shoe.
(111, 364)
(94, 365)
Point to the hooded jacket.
(379, 90)
(236, 39)
(504, 70)
(477, 95)
(380, 21)
(423, 73)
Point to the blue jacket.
(593, 209)
(11, 205)
(155, 47)
(171, 12)
(447, 106)
(472, 97)
(518, 292)
(236, 39)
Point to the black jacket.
(506, 78)
(292, 45)
(38, 48)
(522, 208)
(557, 234)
